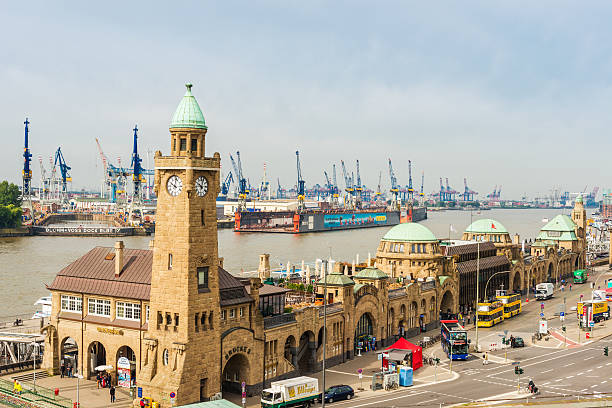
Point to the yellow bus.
(490, 313)
(512, 304)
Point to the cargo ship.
(317, 220)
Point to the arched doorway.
(235, 372)
(550, 273)
(126, 367)
(516, 282)
(447, 304)
(402, 328)
(391, 325)
(320, 338)
(97, 357)
(412, 322)
(306, 357)
(69, 354)
(364, 332)
(290, 349)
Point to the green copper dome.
(188, 114)
(487, 226)
(579, 199)
(409, 232)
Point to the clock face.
(201, 186)
(175, 185)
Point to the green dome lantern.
(409, 232)
(188, 114)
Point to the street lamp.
(35, 345)
(78, 377)
(324, 265)
(485, 291)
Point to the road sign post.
(360, 371)
(243, 386)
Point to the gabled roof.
(371, 273)
(231, 290)
(486, 226)
(560, 228)
(188, 114)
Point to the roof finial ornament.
(188, 85)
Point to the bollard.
(56, 391)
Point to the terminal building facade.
(187, 326)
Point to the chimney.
(263, 271)
(221, 262)
(118, 258)
(517, 239)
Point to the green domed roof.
(579, 199)
(410, 232)
(487, 226)
(188, 114)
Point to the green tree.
(10, 216)
(10, 194)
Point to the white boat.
(45, 306)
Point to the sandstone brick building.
(190, 327)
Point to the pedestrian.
(98, 379)
(62, 370)
(112, 393)
(142, 403)
(485, 358)
(570, 287)
(69, 370)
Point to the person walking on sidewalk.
(112, 393)
(485, 358)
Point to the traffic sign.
(542, 306)
(562, 314)
(591, 324)
(541, 314)
(172, 394)
(516, 362)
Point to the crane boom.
(301, 184)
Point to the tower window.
(202, 216)
(210, 320)
(183, 144)
(203, 320)
(169, 261)
(202, 279)
(173, 144)
(194, 145)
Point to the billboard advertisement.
(342, 220)
(123, 372)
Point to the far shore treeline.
(10, 205)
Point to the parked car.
(339, 392)
(517, 342)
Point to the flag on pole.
(452, 228)
(493, 226)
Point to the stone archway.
(306, 353)
(516, 282)
(550, 273)
(96, 354)
(364, 330)
(236, 370)
(290, 350)
(69, 354)
(447, 303)
(320, 338)
(391, 327)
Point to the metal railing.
(36, 397)
(278, 320)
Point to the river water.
(28, 263)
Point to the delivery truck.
(293, 392)
(544, 291)
(580, 276)
(601, 310)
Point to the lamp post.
(485, 291)
(36, 347)
(324, 265)
(477, 292)
(78, 377)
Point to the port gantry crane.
(136, 169)
(44, 181)
(336, 194)
(243, 191)
(395, 203)
(26, 192)
(301, 185)
(349, 188)
(410, 188)
(358, 189)
(451, 193)
(328, 186)
(468, 194)
(280, 191)
(226, 184)
(64, 168)
(422, 191)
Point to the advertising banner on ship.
(342, 220)
(123, 372)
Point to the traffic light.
(516, 370)
(520, 370)
(437, 360)
(563, 328)
(606, 351)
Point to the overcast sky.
(506, 93)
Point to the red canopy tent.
(404, 345)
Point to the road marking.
(594, 385)
(608, 364)
(604, 381)
(569, 376)
(389, 399)
(600, 366)
(588, 358)
(547, 371)
(567, 365)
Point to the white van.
(544, 291)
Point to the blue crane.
(394, 187)
(358, 188)
(301, 184)
(226, 184)
(64, 168)
(328, 184)
(27, 172)
(422, 193)
(335, 181)
(280, 191)
(136, 167)
(348, 183)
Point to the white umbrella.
(103, 368)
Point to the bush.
(10, 216)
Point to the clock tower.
(183, 338)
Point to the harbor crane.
(280, 191)
(443, 193)
(26, 192)
(44, 181)
(226, 184)
(349, 188)
(451, 192)
(422, 191)
(300, 185)
(264, 186)
(136, 168)
(243, 191)
(410, 188)
(358, 189)
(468, 194)
(395, 203)
(64, 168)
(328, 185)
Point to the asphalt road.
(559, 372)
